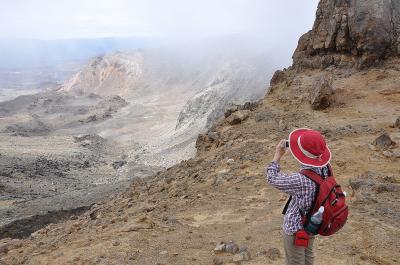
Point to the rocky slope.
(172, 98)
(63, 150)
(235, 83)
(216, 207)
(182, 214)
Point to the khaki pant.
(295, 255)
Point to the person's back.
(309, 148)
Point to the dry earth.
(181, 214)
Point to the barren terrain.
(115, 120)
(180, 215)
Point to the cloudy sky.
(55, 19)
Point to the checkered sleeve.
(288, 183)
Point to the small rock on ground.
(238, 117)
(384, 141)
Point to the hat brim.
(322, 161)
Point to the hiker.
(309, 148)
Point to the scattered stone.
(238, 117)
(372, 147)
(163, 253)
(243, 255)
(242, 248)
(231, 247)
(387, 153)
(261, 253)
(91, 118)
(213, 136)
(384, 141)
(220, 247)
(218, 180)
(3, 249)
(273, 253)
(73, 217)
(238, 258)
(249, 106)
(321, 97)
(230, 161)
(116, 243)
(397, 123)
(230, 109)
(117, 164)
(357, 183)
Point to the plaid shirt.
(302, 190)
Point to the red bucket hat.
(309, 147)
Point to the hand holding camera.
(280, 150)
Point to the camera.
(287, 143)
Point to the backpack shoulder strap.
(312, 175)
(286, 205)
(330, 170)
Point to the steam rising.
(47, 33)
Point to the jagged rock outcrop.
(354, 33)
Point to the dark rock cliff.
(355, 33)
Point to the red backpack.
(330, 195)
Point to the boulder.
(238, 117)
(321, 97)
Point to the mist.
(266, 23)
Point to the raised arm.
(288, 183)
